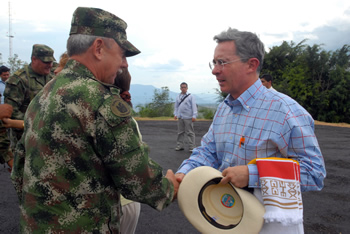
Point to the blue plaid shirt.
(272, 125)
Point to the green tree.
(281, 57)
(15, 63)
(205, 112)
(337, 86)
(161, 105)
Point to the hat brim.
(47, 59)
(130, 49)
(202, 200)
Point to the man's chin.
(46, 72)
(223, 89)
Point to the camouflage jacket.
(20, 89)
(80, 150)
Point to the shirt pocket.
(253, 148)
(116, 131)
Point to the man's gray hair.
(248, 45)
(80, 43)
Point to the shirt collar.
(248, 97)
(82, 70)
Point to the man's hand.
(5, 111)
(193, 119)
(238, 176)
(170, 176)
(13, 123)
(175, 117)
(179, 177)
(6, 122)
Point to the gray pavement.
(324, 212)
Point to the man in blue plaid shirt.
(253, 122)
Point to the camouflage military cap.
(97, 22)
(43, 52)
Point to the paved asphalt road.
(324, 212)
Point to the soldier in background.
(25, 83)
(81, 148)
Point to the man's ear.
(34, 59)
(253, 64)
(98, 48)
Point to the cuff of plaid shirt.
(253, 176)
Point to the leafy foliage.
(161, 105)
(317, 79)
(205, 112)
(15, 63)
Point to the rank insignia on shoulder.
(120, 108)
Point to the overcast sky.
(176, 37)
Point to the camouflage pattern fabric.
(97, 22)
(20, 89)
(80, 150)
(43, 52)
(5, 153)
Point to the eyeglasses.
(220, 62)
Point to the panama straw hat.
(214, 208)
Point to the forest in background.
(317, 79)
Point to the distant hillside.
(142, 94)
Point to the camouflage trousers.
(5, 151)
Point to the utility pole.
(10, 32)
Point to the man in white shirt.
(186, 113)
(4, 75)
(266, 80)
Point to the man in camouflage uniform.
(81, 149)
(25, 83)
